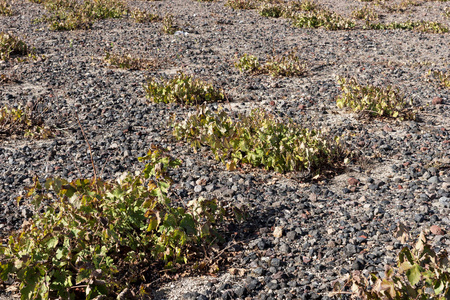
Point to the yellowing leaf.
(414, 274)
(53, 242)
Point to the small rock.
(209, 187)
(437, 100)
(241, 291)
(350, 249)
(358, 265)
(278, 232)
(444, 201)
(285, 248)
(275, 262)
(436, 230)
(419, 218)
(352, 181)
(433, 179)
(258, 271)
(291, 235)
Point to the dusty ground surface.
(329, 228)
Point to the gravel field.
(302, 235)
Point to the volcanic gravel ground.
(301, 235)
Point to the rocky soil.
(302, 235)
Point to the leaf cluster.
(271, 10)
(443, 78)
(72, 15)
(421, 26)
(376, 101)
(11, 45)
(422, 274)
(365, 13)
(322, 18)
(126, 61)
(259, 139)
(242, 4)
(95, 237)
(22, 121)
(142, 16)
(169, 26)
(5, 8)
(282, 65)
(182, 89)
(305, 13)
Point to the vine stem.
(89, 146)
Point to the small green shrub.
(285, 65)
(322, 18)
(72, 15)
(169, 26)
(446, 12)
(421, 274)
(5, 8)
(293, 8)
(381, 102)
(248, 63)
(126, 61)
(421, 26)
(259, 139)
(271, 10)
(241, 4)
(365, 13)
(307, 5)
(182, 89)
(95, 237)
(22, 122)
(282, 65)
(142, 16)
(443, 78)
(11, 45)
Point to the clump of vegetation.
(11, 45)
(271, 10)
(92, 237)
(241, 4)
(283, 65)
(142, 16)
(447, 12)
(421, 26)
(22, 122)
(375, 101)
(303, 14)
(248, 63)
(126, 61)
(169, 26)
(259, 139)
(399, 7)
(182, 89)
(71, 14)
(322, 18)
(307, 5)
(5, 8)
(8, 78)
(365, 13)
(443, 78)
(421, 274)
